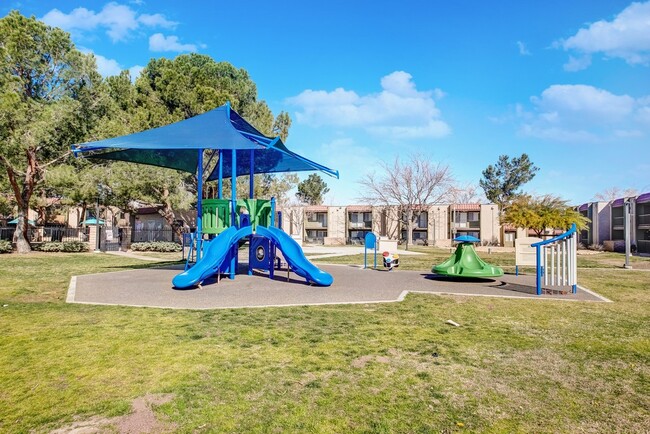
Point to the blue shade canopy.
(15, 222)
(175, 146)
(91, 221)
(467, 239)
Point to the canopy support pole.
(199, 206)
(233, 214)
(251, 186)
(220, 192)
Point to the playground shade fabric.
(176, 146)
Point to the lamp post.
(492, 224)
(97, 233)
(626, 224)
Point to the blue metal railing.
(563, 249)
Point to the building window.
(315, 236)
(317, 217)
(465, 217)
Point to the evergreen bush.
(5, 246)
(156, 246)
(67, 246)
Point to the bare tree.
(468, 193)
(408, 188)
(614, 193)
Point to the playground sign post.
(370, 242)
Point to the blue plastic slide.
(214, 253)
(295, 256)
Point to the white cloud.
(160, 42)
(627, 36)
(156, 20)
(578, 63)
(399, 111)
(107, 67)
(118, 20)
(582, 113)
(135, 71)
(522, 49)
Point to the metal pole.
(626, 223)
(220, 192)
(199, 205)
(233, 214)
(97, 234)
(538, 271)
(251, 186)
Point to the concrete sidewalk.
(152, 287)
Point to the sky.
(459, 83)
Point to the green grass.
(512, 366)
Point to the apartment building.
(598, 228)
(434, 225)
(642, 232)
(607, 226)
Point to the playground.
(525, 364)
(234, 341)
(352, 285)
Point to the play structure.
(234, 148)
(465, 262)
(556, 261)
(391, 260)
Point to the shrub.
(67, 246)
(156, 246)
(5, 246)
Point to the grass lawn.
(514, 365)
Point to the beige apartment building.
(435, 225)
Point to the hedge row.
(5, 246)
(67, 246)
(156, 246)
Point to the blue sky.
(459, 82)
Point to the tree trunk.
(21, 235)
(23, 193)
(168, 214)
(409, 228)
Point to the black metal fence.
(148, 235)
(44, 234)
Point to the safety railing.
(557, 261)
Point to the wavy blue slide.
(213, 256)
(217, 251)
(295, 256)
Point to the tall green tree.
(312, 190)
(154, 185)
(542, 213)
(46, 99)
(502, 181)
(191, 84)
(281, 125)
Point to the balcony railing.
(643, 219)
(315, 225)
(468, 225)
(360, 225)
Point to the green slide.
(466, 263)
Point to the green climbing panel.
(216, 216)
(466, 263)
(259, 211)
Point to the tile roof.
(466, 207)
